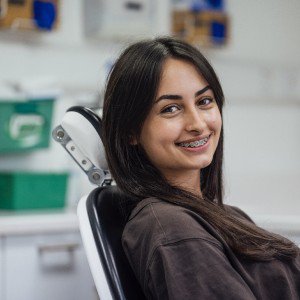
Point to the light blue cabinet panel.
(48, 266)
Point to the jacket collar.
(141, 205)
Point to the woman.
(163, 136)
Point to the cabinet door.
(47, 267)
(1, 270)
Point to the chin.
(205, 163)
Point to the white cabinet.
(123, 19)
(1, 271)
(45, 266)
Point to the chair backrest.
(102, 214)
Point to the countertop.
(38, 221)
(44, 221)
(285, 225)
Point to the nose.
(194, 120)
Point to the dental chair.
(102, 214)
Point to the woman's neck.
(189, 181)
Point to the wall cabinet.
(44, 266)
(123, 20)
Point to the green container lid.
(25, 125)
(19, 191)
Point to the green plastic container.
(21, 191)
(25, 125)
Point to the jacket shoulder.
(161, 222)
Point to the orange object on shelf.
(19, 14)
(198, 27)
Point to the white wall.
(262, 158)
(260, 73)
(264, 31)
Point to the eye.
(205, 101)
(170, 109)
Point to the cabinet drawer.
(51, 266)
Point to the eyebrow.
(178, 97)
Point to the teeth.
(194, 144)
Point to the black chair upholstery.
(105, 208)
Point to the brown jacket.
(176, 254)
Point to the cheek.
(169, 131)
(215, 120)
(215, 125)
(163, 132)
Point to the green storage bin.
(21, 191)
(25, 125)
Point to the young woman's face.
(181, 133)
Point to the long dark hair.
(131, 88)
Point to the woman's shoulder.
(163, 222)
(159, 223)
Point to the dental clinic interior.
(56, 54)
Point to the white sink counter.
(40, 221)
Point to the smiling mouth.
(194, 144)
